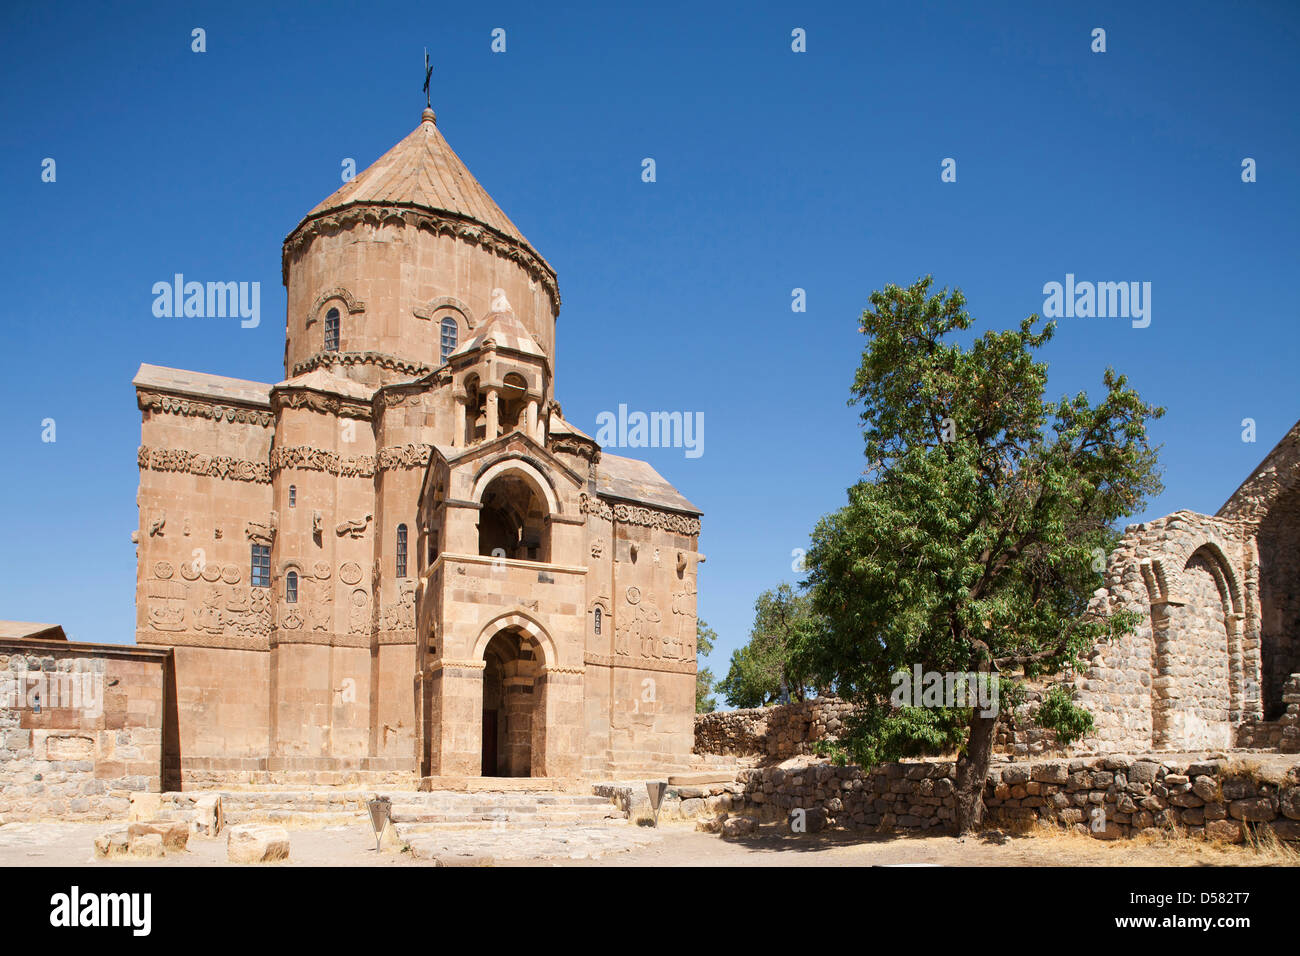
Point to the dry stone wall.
(1111, 797)
(771, 733)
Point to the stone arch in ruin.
(1197, 661)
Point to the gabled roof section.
(10, 630)
(507, 332)
(424, 172)
(176, 381)
(633, 480)
(320, 380)
(1273, 477)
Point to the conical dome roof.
(423, 171)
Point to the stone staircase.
(413, 813)
(418, 813)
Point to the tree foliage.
(979, 536)
(705, 637)
(766, 668)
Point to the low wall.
(81, 727)
(1215, 798)
(778, 732)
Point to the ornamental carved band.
(174, 405)
(327, 404)
(195, 463)
(634, 514)
(382, 360)
(306, 458)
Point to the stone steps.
(412, 812)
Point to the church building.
(402, 560)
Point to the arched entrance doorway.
(512, 713)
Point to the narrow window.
(448, 338)
(401, 550)
(332, 330)
(597, 620)
(293, 497)
(291, 588)
(261, 576)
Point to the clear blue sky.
(775, 170)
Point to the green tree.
(977, 541)
(766, 667)
(704, 639)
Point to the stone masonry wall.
(98, 735)
(1214, 798)
(773, 733)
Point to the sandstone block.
(145, 806)
(147, 845)
(174, 834)
(251, 843)
(113, 842)
(207, 818)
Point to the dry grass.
(1261, 847)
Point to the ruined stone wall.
(775, 733)
(100, 731)
(1218, 799)
(1188, 673)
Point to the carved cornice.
(436, 222)
(176, 405)
(575, 445)
(641, 663)
(197, 463)
(292, 397)
(448, 665)
(638, 515)
(404, 456)
(306, 458)
(392, 363)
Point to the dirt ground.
(70, 844)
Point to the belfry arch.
(514, 518)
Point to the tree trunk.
(972, 771)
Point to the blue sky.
(776, 170)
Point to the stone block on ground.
(738, 827)
(147, 845)
(114, 841)
(174, 834)
(254, 843)
(145, 806)
(208, 818)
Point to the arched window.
(401, 550)
(332, 330)
(293, 496)
(597, 620)
(260, 575)
(449, 332)
(291, 588)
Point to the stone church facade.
(402, 558)
(1215, 662)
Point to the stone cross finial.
(428, 72)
